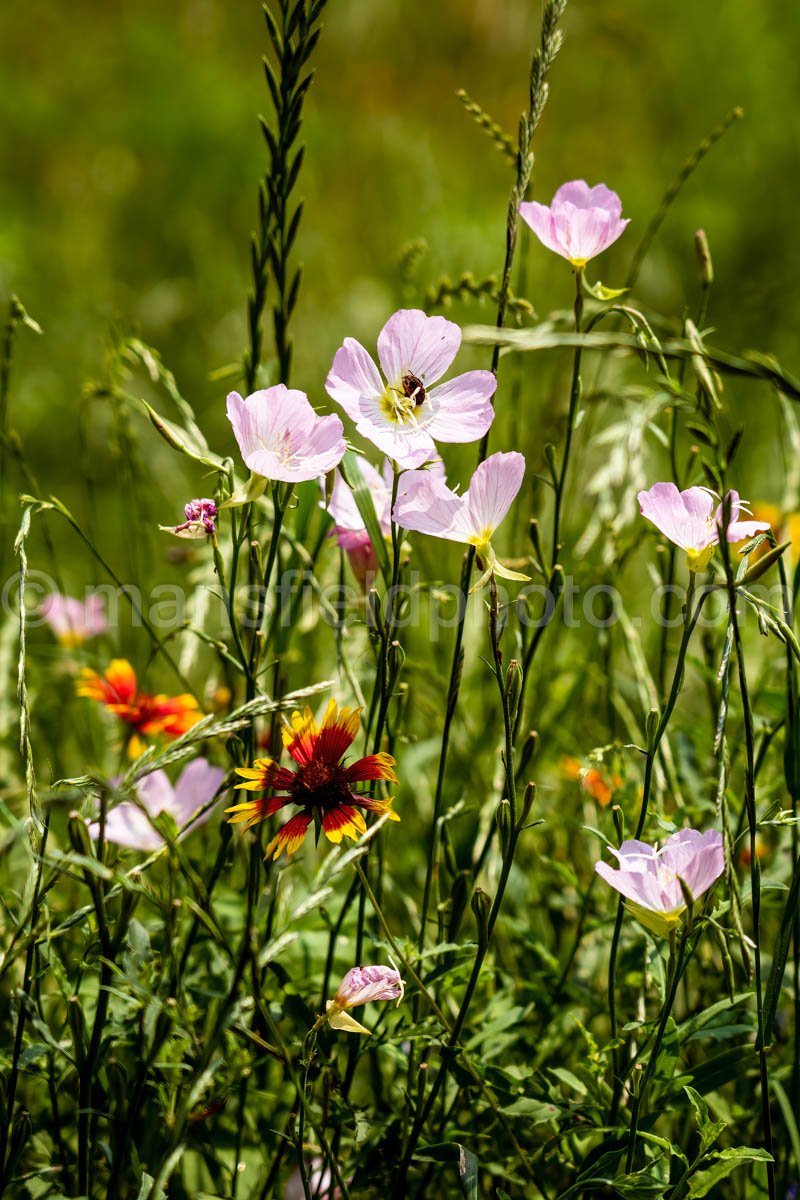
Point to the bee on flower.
(117, 689)
(320, 785)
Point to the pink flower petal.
(580, 195)
(352, 376)
(540, 219)
(462, 409)
(281, 437)
(197, 784)
(426, 505)
(492, 491)
(412, 342)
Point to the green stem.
(674, 972)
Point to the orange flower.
(118, 690)
(321, 784)
(591, 780)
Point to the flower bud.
(619, 823)
(705, 267)
(513, 686)
(503, 817)
(78, 833)
(527, 803)
(528, 752)
(651, 726)
(481, 906)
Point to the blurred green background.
(131, 152)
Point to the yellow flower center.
(399, 404)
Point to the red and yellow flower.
(118, 691)
(321, 784)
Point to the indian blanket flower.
(200, 520)
(692, 520)
(580, 222)
(600, 787)
(361, 985)
(117, 689)
(403, 414)
(321, 785)
(74, 621)
(127, 824)
(426, 504)
(281, 437)
(649, 878)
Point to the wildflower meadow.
(399, 704)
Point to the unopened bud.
(513, 686)
(78, 833)
(619, 823)
(397, 657)
(528, 752)
(705, 267)
(527, 803)
(481, 907)
(763, 564)
(374, 619)
(651, 726)
(503, 817)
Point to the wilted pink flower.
(74, 621)
(127, 825)
(349, 528)
(649, 878)
(281, 437)
(580, 223)
(692, 520)
(361, 985)
(199, 523)
(425, 504)
(405, 415)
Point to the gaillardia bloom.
(118, 691)
(321, 785)
(405, 415)
(649, 878)
(127, 824)
(281, 437)
(200, 520)
(580, 223)
(360, 986)
(74, 621)
(693, 519)
(427, 505)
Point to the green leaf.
(727, 1162)
(364, 503)
(534, 1111)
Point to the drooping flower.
(403, 414)
(118, 691)
(127, 825)
(281, 437)
(426, 504)
(321, 785)
(580, 222)
(349, 528)
(649, 878)
(692, 520)
(199, 523)
(74, 621)
(360, 986)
